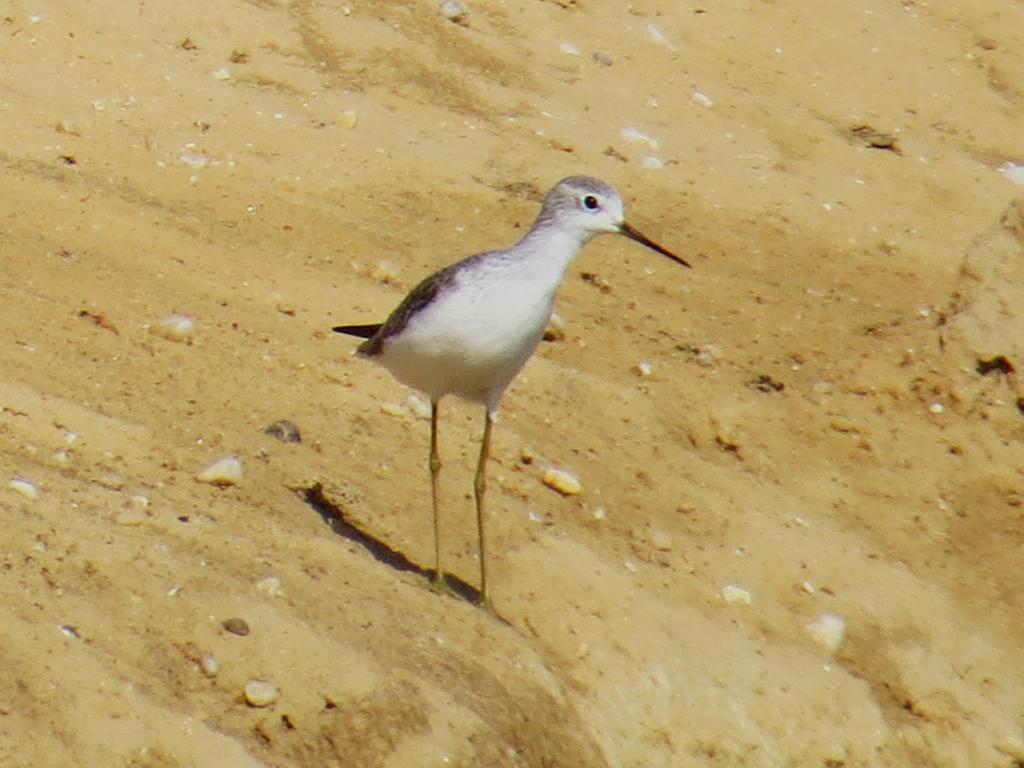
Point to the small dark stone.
(597, 281)
(765, 383)
(286, 431)
(997, 364)
(614, 154)
(871, 138)
(236, 626)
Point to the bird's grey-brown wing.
(417, 299)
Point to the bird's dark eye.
(590, 202)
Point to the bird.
(469, 328)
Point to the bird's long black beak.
(635, 234)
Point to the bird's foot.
(439, 584)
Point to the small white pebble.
(173, 591)
(222, 74)
(138, 501)
(807, 587)
(735, 595)
(643, 369)
(99, 105)
(384, 272)
(419, 407)
(709, 354)
(194, 160)
(562, 481)
(70, 438)
(455, 12)
(25, 487)
(827, 631)
(174, 328)
(130, 517)
(653, 163)
(209, 665)
(599, 513)
(569, 49)
(556, 328)
(636, 136)
(111, 480)
(226, 471)
(1013, 172)
(659, 37)
(393, 409)
(936, 408)
(347, 119)
(271, 585)
(62, 458)
(701, 99)
(661, 540)
(260, 693)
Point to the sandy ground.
(832, 423)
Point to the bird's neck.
(552, 246)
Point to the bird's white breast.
(477, 333)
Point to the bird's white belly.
(471, 340)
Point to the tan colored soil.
(813, 430)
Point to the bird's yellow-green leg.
(435, 492)
(480, 488)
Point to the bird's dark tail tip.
(362, 331)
